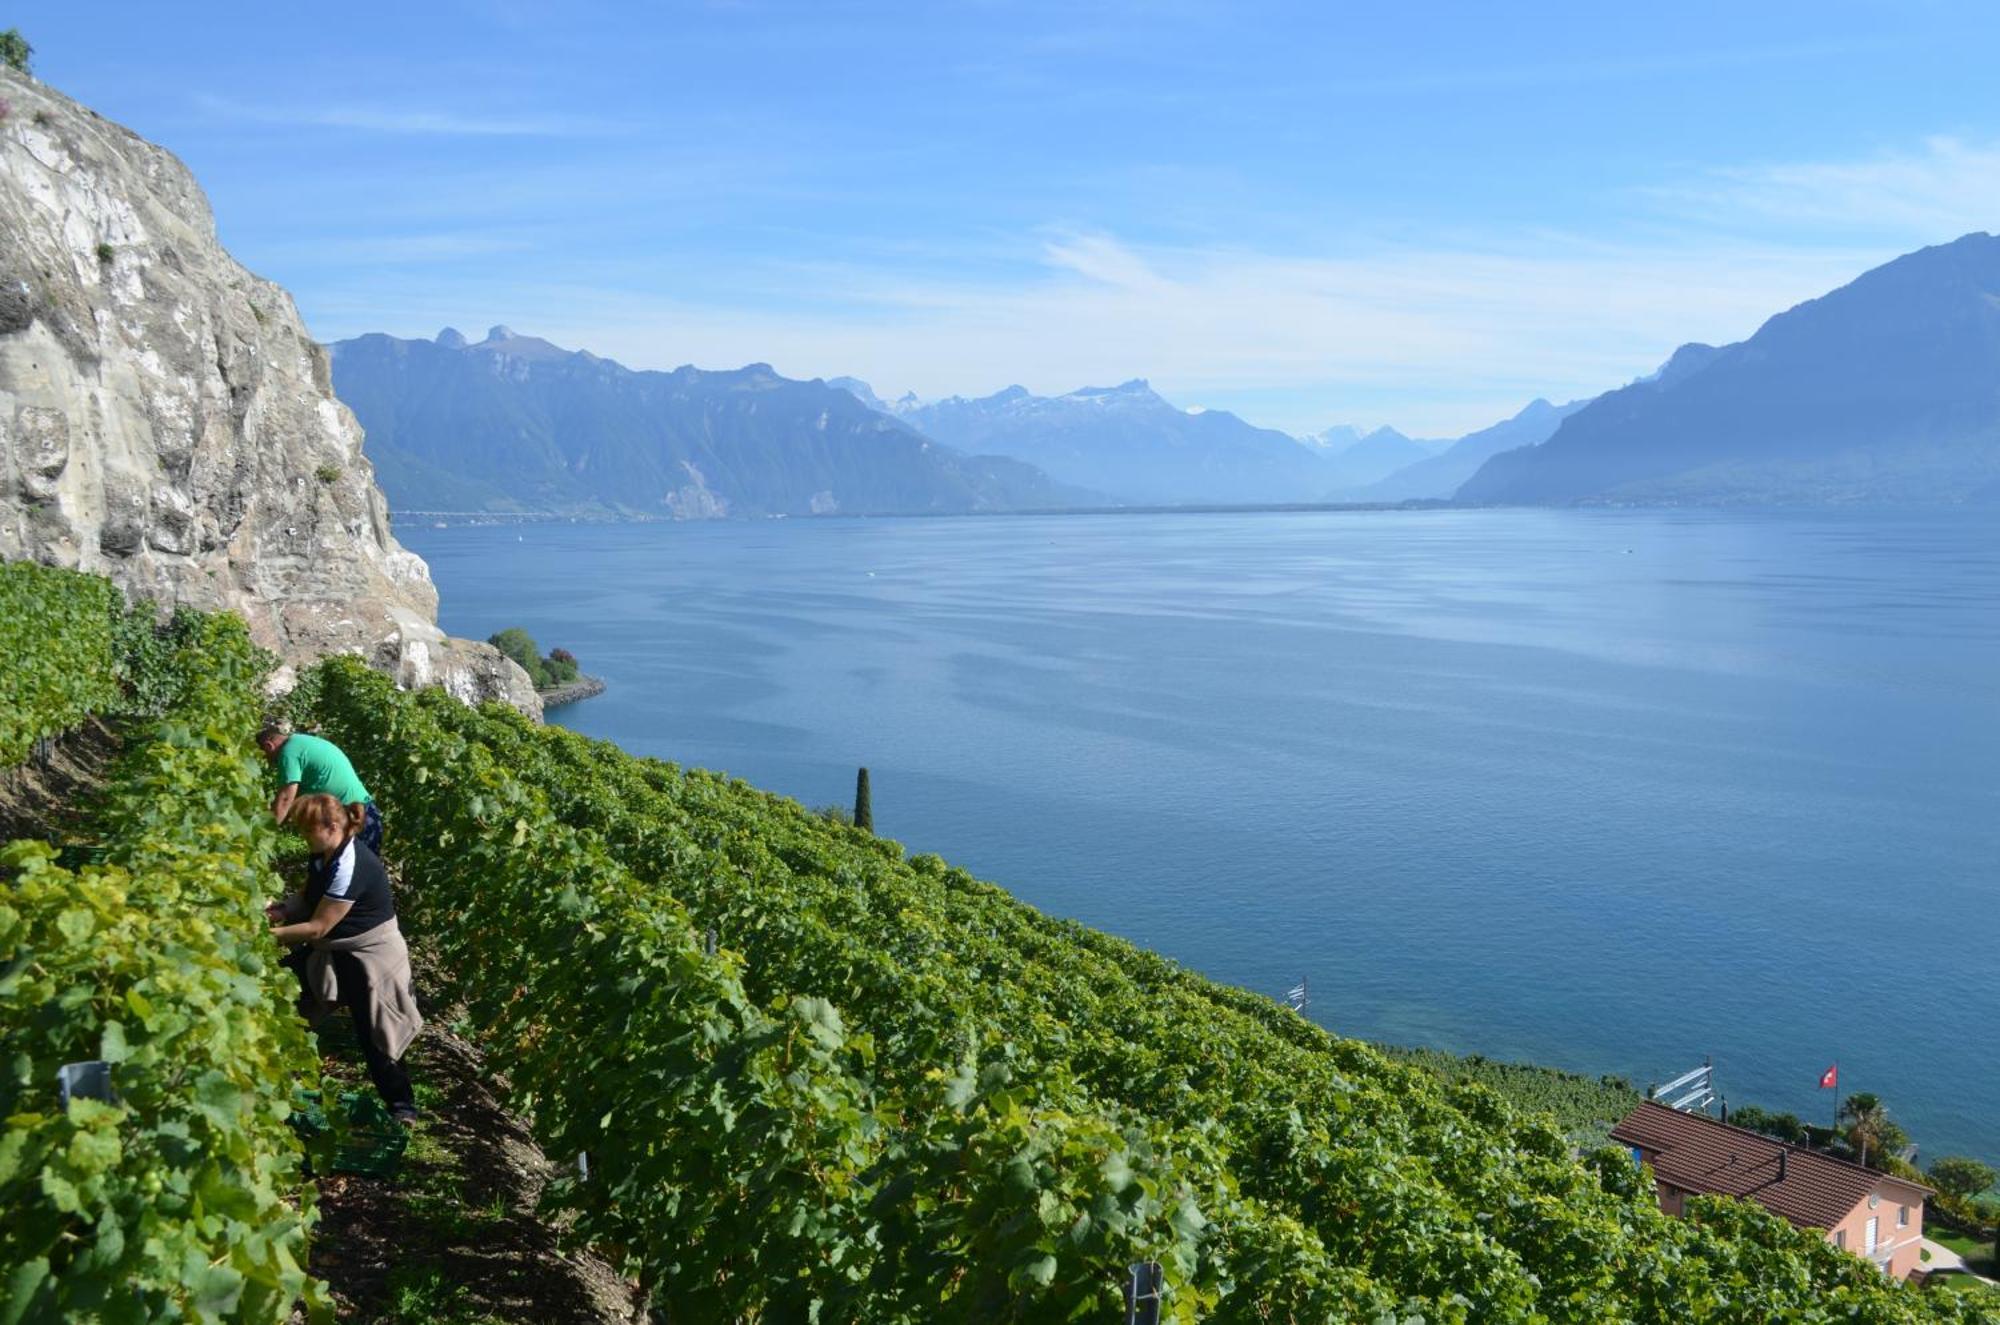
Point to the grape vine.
(970, 1072)
(182, 1197)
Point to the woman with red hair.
(355, 954)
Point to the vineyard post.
(864, 812)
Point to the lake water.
(1605, 790)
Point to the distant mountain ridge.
(1441, 475)
(1125, 441)
(516, 423)
(1358, 458)
(1884, 390)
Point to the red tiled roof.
(1699, 1154)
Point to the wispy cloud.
(1441, 333)
(1462, 335)
(1102, 260)
(410, 120)
(1475, 77)
(392, 249)
(1939, 190)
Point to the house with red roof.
(1875, 1215)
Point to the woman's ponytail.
(324, 811)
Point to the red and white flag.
(1830, 1078)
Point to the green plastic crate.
(75, 855)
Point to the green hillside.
(813, 1078)
(895, 1093)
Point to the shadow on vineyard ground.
(50, 798)
(453, 1238)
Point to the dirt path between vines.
(453, 1238)
(49, 797)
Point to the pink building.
(1870, 1214)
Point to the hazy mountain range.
(1130, 443)
(1441, 475)
(1127, 442)
(1359, 458)
(1885, 390)
(516, 423)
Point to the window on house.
(1840, 1238)
(1872, 1234)
(1902, 1216)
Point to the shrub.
(519, 645)
(559, 668)
(15, 52)
(1958, 1175)
(1783, 1126)
(105, 253)
(327, 473)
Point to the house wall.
(1888, 1195)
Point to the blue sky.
(1417, 214)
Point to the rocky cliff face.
(166, 420)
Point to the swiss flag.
(1830, 1078)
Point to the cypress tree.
(864, 813)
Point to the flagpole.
(1836, 1105)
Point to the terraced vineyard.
(181, 1196)
(894, 1093)
(813, 1078)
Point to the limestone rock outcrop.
(165, 419)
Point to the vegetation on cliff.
(558, 668)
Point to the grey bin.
(85, 1081)
(1143, 1290)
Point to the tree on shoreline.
(1960, 1175)
(1870, 1130)
(559, 668)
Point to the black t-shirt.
(356, 877)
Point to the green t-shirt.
(319, 765)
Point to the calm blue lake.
(1605, 790)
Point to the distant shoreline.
(460, 519)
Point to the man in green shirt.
(308, 765)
